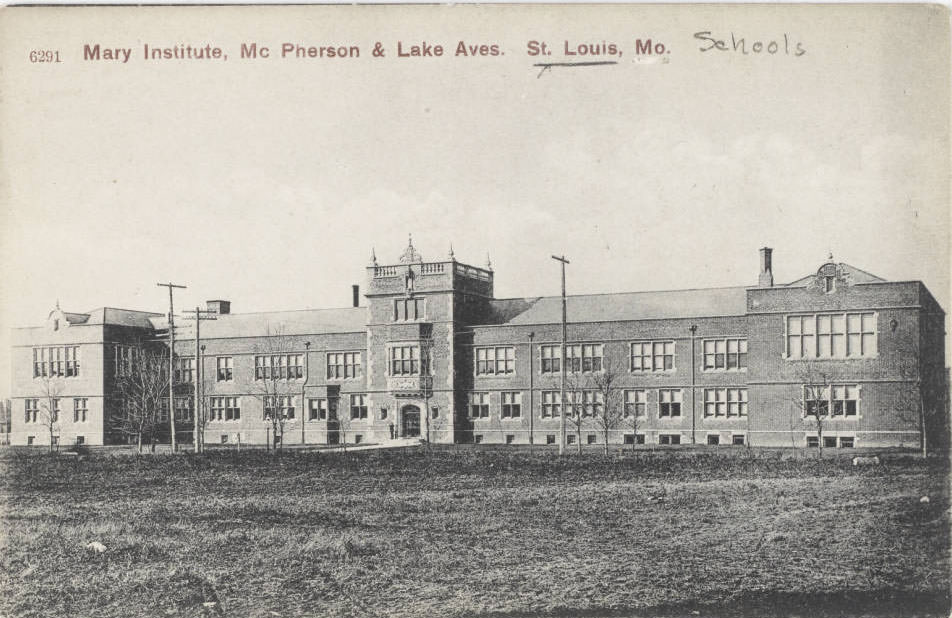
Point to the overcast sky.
(269, 182)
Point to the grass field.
(459, 532)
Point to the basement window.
(829, 442)
(738, 439)
(713, 439)
(358, 438)
(510, 438)
(550, 438)
(846, 442)
(570, 439)
(669, 438)
(591, 438)
(478, 438)
(813, 442)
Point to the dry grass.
(463, 532)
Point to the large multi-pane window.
(593, 402)
(317, 410)
(652, 356)
(579, 358)
(405, 361)
(343, 365)
(836, 400)
(226, 368)
(183, 409)
(669, 402)
(80, 409)
(832, 335)
(279, 367)
(31, 408)
(725, 354)
(226, 409)
(405, 309)
(279, 406)
(56, 362)
(479, 405)
(184, 369)
(636, 403)
(551, 403)
(358, 407)
(725, 402)
(511, 404)
(495, 361)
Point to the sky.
(269, 182)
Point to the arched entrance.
(410, 422)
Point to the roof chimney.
(356, 292)
(766, 268)
(221, 307)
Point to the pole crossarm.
(562, 262)
(171, 286)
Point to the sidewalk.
(395, 443)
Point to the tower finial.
(489, 262)
(452, 256)
(57, 304)
(831, 256)
(410, 239)
(373, 256)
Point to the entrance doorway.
(410, 422)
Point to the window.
(317, 410)
(713, 439)
(636, 403)
(31, 408)
(225, 368)
(829, 284)
(56, 362)
(279, 406)
(383, 414)
(841, 399)
(405, 361)
(813, 442)
(551, 404)
(579, 358)
(590, 438)
(725, 354)
(845, 400)
(80, 439)
(405, 309)
(343, 365)
(829, 442)
(477, 439)
(846, 442)
(550, 438)
(358, 407)
(435, 412)
(224, 438)
(832, 335)
(738, 439)
(358, 438)
(80, 409)
(511, 405)
(634, 438)
(226, 409)
(593, 402)
(184, 369)
(669, 402)
(495, 361)
(652, 356)
(570, 438)
(183, 408)
(509, 438)
(725, 402)
(30, 440)
(479, 405)
(669, 438)
(279, 367)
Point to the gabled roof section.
(110, 316)
(712, 302)
(856, 275)
(276, 323)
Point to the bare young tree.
(142, 384)
(49, 408)
(814, 399)
(609, 413)
(920, 397)
(276, 369)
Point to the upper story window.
(840, 400)
(725, 402)
(183, 409)
(31, 408)
(279, 406)
(226, 368)
(579, 358)
(652, 356)
(343, 365)
(56, 362)
(636, 403)
(184, 369)
(358, 407)
(832, 335)
(728, 354)
(405, 361)
(279, 367)
(511, 404)
(495, 361)
(80, 409)
(318, 410)
(551, 403)
(405, 309)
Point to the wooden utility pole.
(170, 286)
(198, 433)
(693, 387)
(561, 259)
